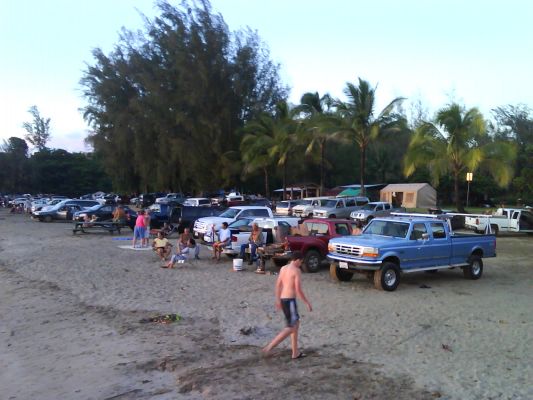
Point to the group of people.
(255, 240)
(185, 248)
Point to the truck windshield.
(330, 204)
(369, 206)
(387, 228)
(230, 213)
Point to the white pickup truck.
(206, 226)
(240, 231)
(503, 220)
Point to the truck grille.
(348, 250)
(199, 226)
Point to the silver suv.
(340, 207)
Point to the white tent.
(410, 195)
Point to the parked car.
(314, 242)
(259, 202)
(340, 207)
(170, 198)
(186, 216)
(204, 227)
(308, 205)
(49, 204)
(286, 207)
(64, 210)
(197, 202)
(147, 199)
(391, 246)
(104, 212)
(372, 210)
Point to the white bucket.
(237, 264)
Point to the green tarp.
(350, 192)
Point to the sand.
(70, 307)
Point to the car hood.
(367, 240)
(217, 221)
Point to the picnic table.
(86, 227)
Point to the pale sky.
(476, 52)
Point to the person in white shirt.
(224, 237)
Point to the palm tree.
(320, 126)
(255, 147)
(358, 120)
(458, 143)
(270, 139)
(285, 129)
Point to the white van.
(340, 207)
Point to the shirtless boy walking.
(288, 286)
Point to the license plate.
(343, 264)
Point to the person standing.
(147, 219)
(288, 287)
(139, 230)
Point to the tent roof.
(356, 186)
(350, 192)
(401, 187)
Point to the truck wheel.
(474, 269)
(48, 218)
(311, 261)
(369, 219)
(495, 229)
(388, 277)
(333, 216)
(338, 274)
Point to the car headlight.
(331, 247)
(370, 252)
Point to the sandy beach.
(70, 307)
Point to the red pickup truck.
(313, 241)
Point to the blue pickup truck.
(394, 245)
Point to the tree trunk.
(458, 205)
(362, 178)
(284, 197)
(322, 161)
(265, 170)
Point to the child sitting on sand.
(184, 254)
(161, 246)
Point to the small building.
(299, 191)
(410, 195)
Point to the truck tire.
(369, 219)
(312, 261)
(48, 218)
(333, 216)
(495, 229)
(338, 274)
(387, 277)
(474, 269)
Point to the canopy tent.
(350, 192)
(410, 195)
